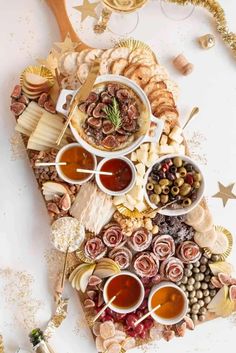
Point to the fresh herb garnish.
(113, 113)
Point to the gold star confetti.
(51, 62)
(66, 45)
(225, 193)
(87, 9)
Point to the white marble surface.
(27, 31)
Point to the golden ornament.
(87, 9)
(219, 15)
(225, 193)
(207, 41)
(66, 45)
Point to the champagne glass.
(120, 16)
(176, 12)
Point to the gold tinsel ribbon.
(219, 15)
(1, 345)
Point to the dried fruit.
(49, 106)
(16, 93)
(94, 280)
(232, 292)
(88, 303)
(17, 108)
(65, 202)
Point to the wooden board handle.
(58, 7)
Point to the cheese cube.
(134, 157)
(142, 155)
(163, 140)
(140, 169)
(139, 180)
(117, 200)
(144, 147)
(153, 147)
(166, 149)
(141, 206)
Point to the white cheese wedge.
(140, 169)
(134, 157)
(141, 206)
(128, 205)
(144, 147)
(117, 200)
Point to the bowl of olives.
(175, 184)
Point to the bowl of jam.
(128, 291)
(76, 157)
(122, 178)
(173, 303)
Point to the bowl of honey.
(128, 291)
(75, 157)
(172, 301)
(122, 178)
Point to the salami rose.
(94, 248)
(172, 269)
(122, 256)
(163, 247)
(113, 236)
(140, 239)
(146, 264)
(188, 252)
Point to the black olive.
(189, 167)
(170, 176)
(161, 174)
(154, 177)
(173, 169)
(156, 167)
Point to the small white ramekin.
(124, 310)
(116, 193)
(159, 319)
(60, 172)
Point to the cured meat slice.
(172, 269)
(122, 256)
(146, 264)
(188, 252)
(140, 239)
(113, 236)
(95, 123)
(107, 329)
(163, 247)
(109, 142)
(107, 127)
(94, 248)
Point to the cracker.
(114, 348)
(92, 55)
(120, 53)
(105, 66)
(83, 72)
(107, 329)
(141, 75)
(118, 66)
(99, 344)
(173, 88)
(140, 51)
(106, 54)
(163, 96)
(160, 72)
(153, 86)
(142, 59)
(129, 70)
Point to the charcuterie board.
(124, 175)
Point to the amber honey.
(76, 157)
(127, 290)
(171, 300)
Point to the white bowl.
(159, 319)
(60, 172)
(141, 94)
(178, 211)
(124, 310)
(116, 193)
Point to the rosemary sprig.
(113, 113)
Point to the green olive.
(215, 258)
(203, 310)
(201, 303)
(206, 293)
(174, 190)
(196, 184)
(185, 280)
(182, 286)
(164, 182)
(154, 198)
(185, 189)
(182, 172)
(193, 300)
(212, 292)
(192, 294)
(207, 300)
(203, 268)
(188, 272)
(204, 285)
(150, 186)
(199, 294)
(196, 270)
(177, 162)
(201, 277)
(191, 280)
(196, 264)
(190, 287)
(197, 177)
(164, 198)
(157, 189)
(179, 181)
(197, 285)
(194, 317)
(189, 266)
(202, 317)
(196, 307)
(187, 202)
(204, 260)
(166, 190)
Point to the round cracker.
(105, 66)
(106, 54)
(195, 216)
(141, 75)
(120, 53)
(99, 344)
(129, 70)
(83, 72)
(96, 328)
(92, 55)
(140, 51)
(107, 329)
(206, 224)
(118, 66)
(156, 93)
(128, 343)
(114, 348)
(164, 98)
(142, 58)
